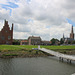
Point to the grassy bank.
(7, 51)
(29, 47)
(26, 50)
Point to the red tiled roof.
(24, 40)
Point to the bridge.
(59, 55)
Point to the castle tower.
(72, 33)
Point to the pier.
(61, 56)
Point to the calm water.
(35, 66)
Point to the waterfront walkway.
(59, 55)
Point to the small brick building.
(6, 34)
(24, 42)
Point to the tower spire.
(6, 22)
(72, 33)
(72, 29)
(63, 35)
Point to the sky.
(45, 18)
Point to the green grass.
(58, 47)
(17, 47)
(14, 50)
(29, 47)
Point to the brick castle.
(6, 34)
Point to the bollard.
(62, 59)
(70, 61)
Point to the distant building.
(70, 39)
(46, 43)
(72, 33)
(34, 40)
(6, 35)
(24, 42)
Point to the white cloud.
(4, 14)
(1, 24)
(47, 17)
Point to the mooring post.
(67, 60)
(62, 59)
(59, 58)
(70, 61)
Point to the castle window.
(6, 31)
(9, 37)
(2, 38)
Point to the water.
(35, 66)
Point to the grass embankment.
(63, 49)
(19, 51)
(26, 50)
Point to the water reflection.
(35, 66)
(6, 65)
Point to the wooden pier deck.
(59, 55)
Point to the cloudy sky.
(45, 18)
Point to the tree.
(73, 42)
(16, 42)
(53, 40)
(69, 42)
(61, 41)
